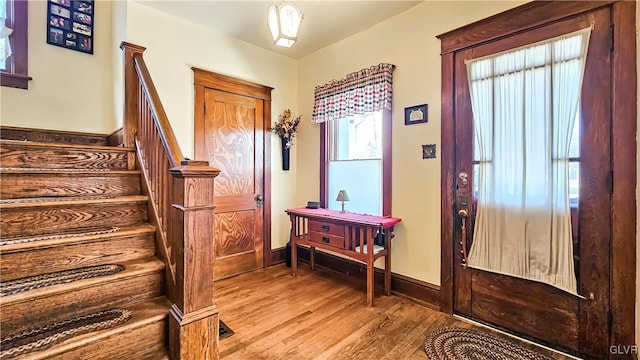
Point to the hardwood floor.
(320, 315)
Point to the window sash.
(16, 69)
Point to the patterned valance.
(358, 93)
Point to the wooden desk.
(344, 233)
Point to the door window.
(525, 102)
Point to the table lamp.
(342, 196)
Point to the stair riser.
(17, 186)
(133, 344)
(41, 311)
(51, 259)
(20, 156)
(52, 136)
(38, 220)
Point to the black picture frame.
(429, 151)
(416, 114)
(70, 24)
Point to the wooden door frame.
(624, 148)
(204, 79)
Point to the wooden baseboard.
(422, 292)
(278, 256)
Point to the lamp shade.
(284, 22)
(342, 196)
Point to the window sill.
(14, 80)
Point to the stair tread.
(4, 142)
(71, 200)
(40, 244)
(132, 269)
(145, 313)
(63, 171)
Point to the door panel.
(232, 132)
(235, 232)
(525, 307)
(530, 309)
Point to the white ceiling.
(324, 22)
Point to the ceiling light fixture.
(284, 22)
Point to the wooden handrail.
(181, 209)
(160, 116)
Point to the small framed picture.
(56, 36)
(415, 114)
(83, 7)
(59, 22)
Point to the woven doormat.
(224, 331)
(61, 277)
(49, 335)
(451, 343)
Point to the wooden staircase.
(72, 205)
(122, 237)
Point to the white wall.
(70, 90)
(175, 45)
(408, 41)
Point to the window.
(526, 122)
(13, 70)
(355, 153)
(356, 156)
(574, 165)
(355, 144)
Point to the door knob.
(463, 213)
(463, 178)
(259, 200)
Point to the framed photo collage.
(70, 24)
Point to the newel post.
(130, 104)
(193, 321)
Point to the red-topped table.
(365, 238)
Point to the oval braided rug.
(451, 343)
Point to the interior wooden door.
(233, 142)
(527, 308)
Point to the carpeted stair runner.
(69, 234)
(42, 338)
(451, 343)
(61, 277)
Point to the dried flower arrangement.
(287, 126)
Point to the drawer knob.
(325, 227)
(325, 240)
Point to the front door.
(532, 309)
(231, 138)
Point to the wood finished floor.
(320, 315)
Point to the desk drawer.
(326, 227)
(328, 239)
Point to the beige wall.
(70, 90)
(408, 41)
(118, 34)
(175, 45)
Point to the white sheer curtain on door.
(524, 104)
